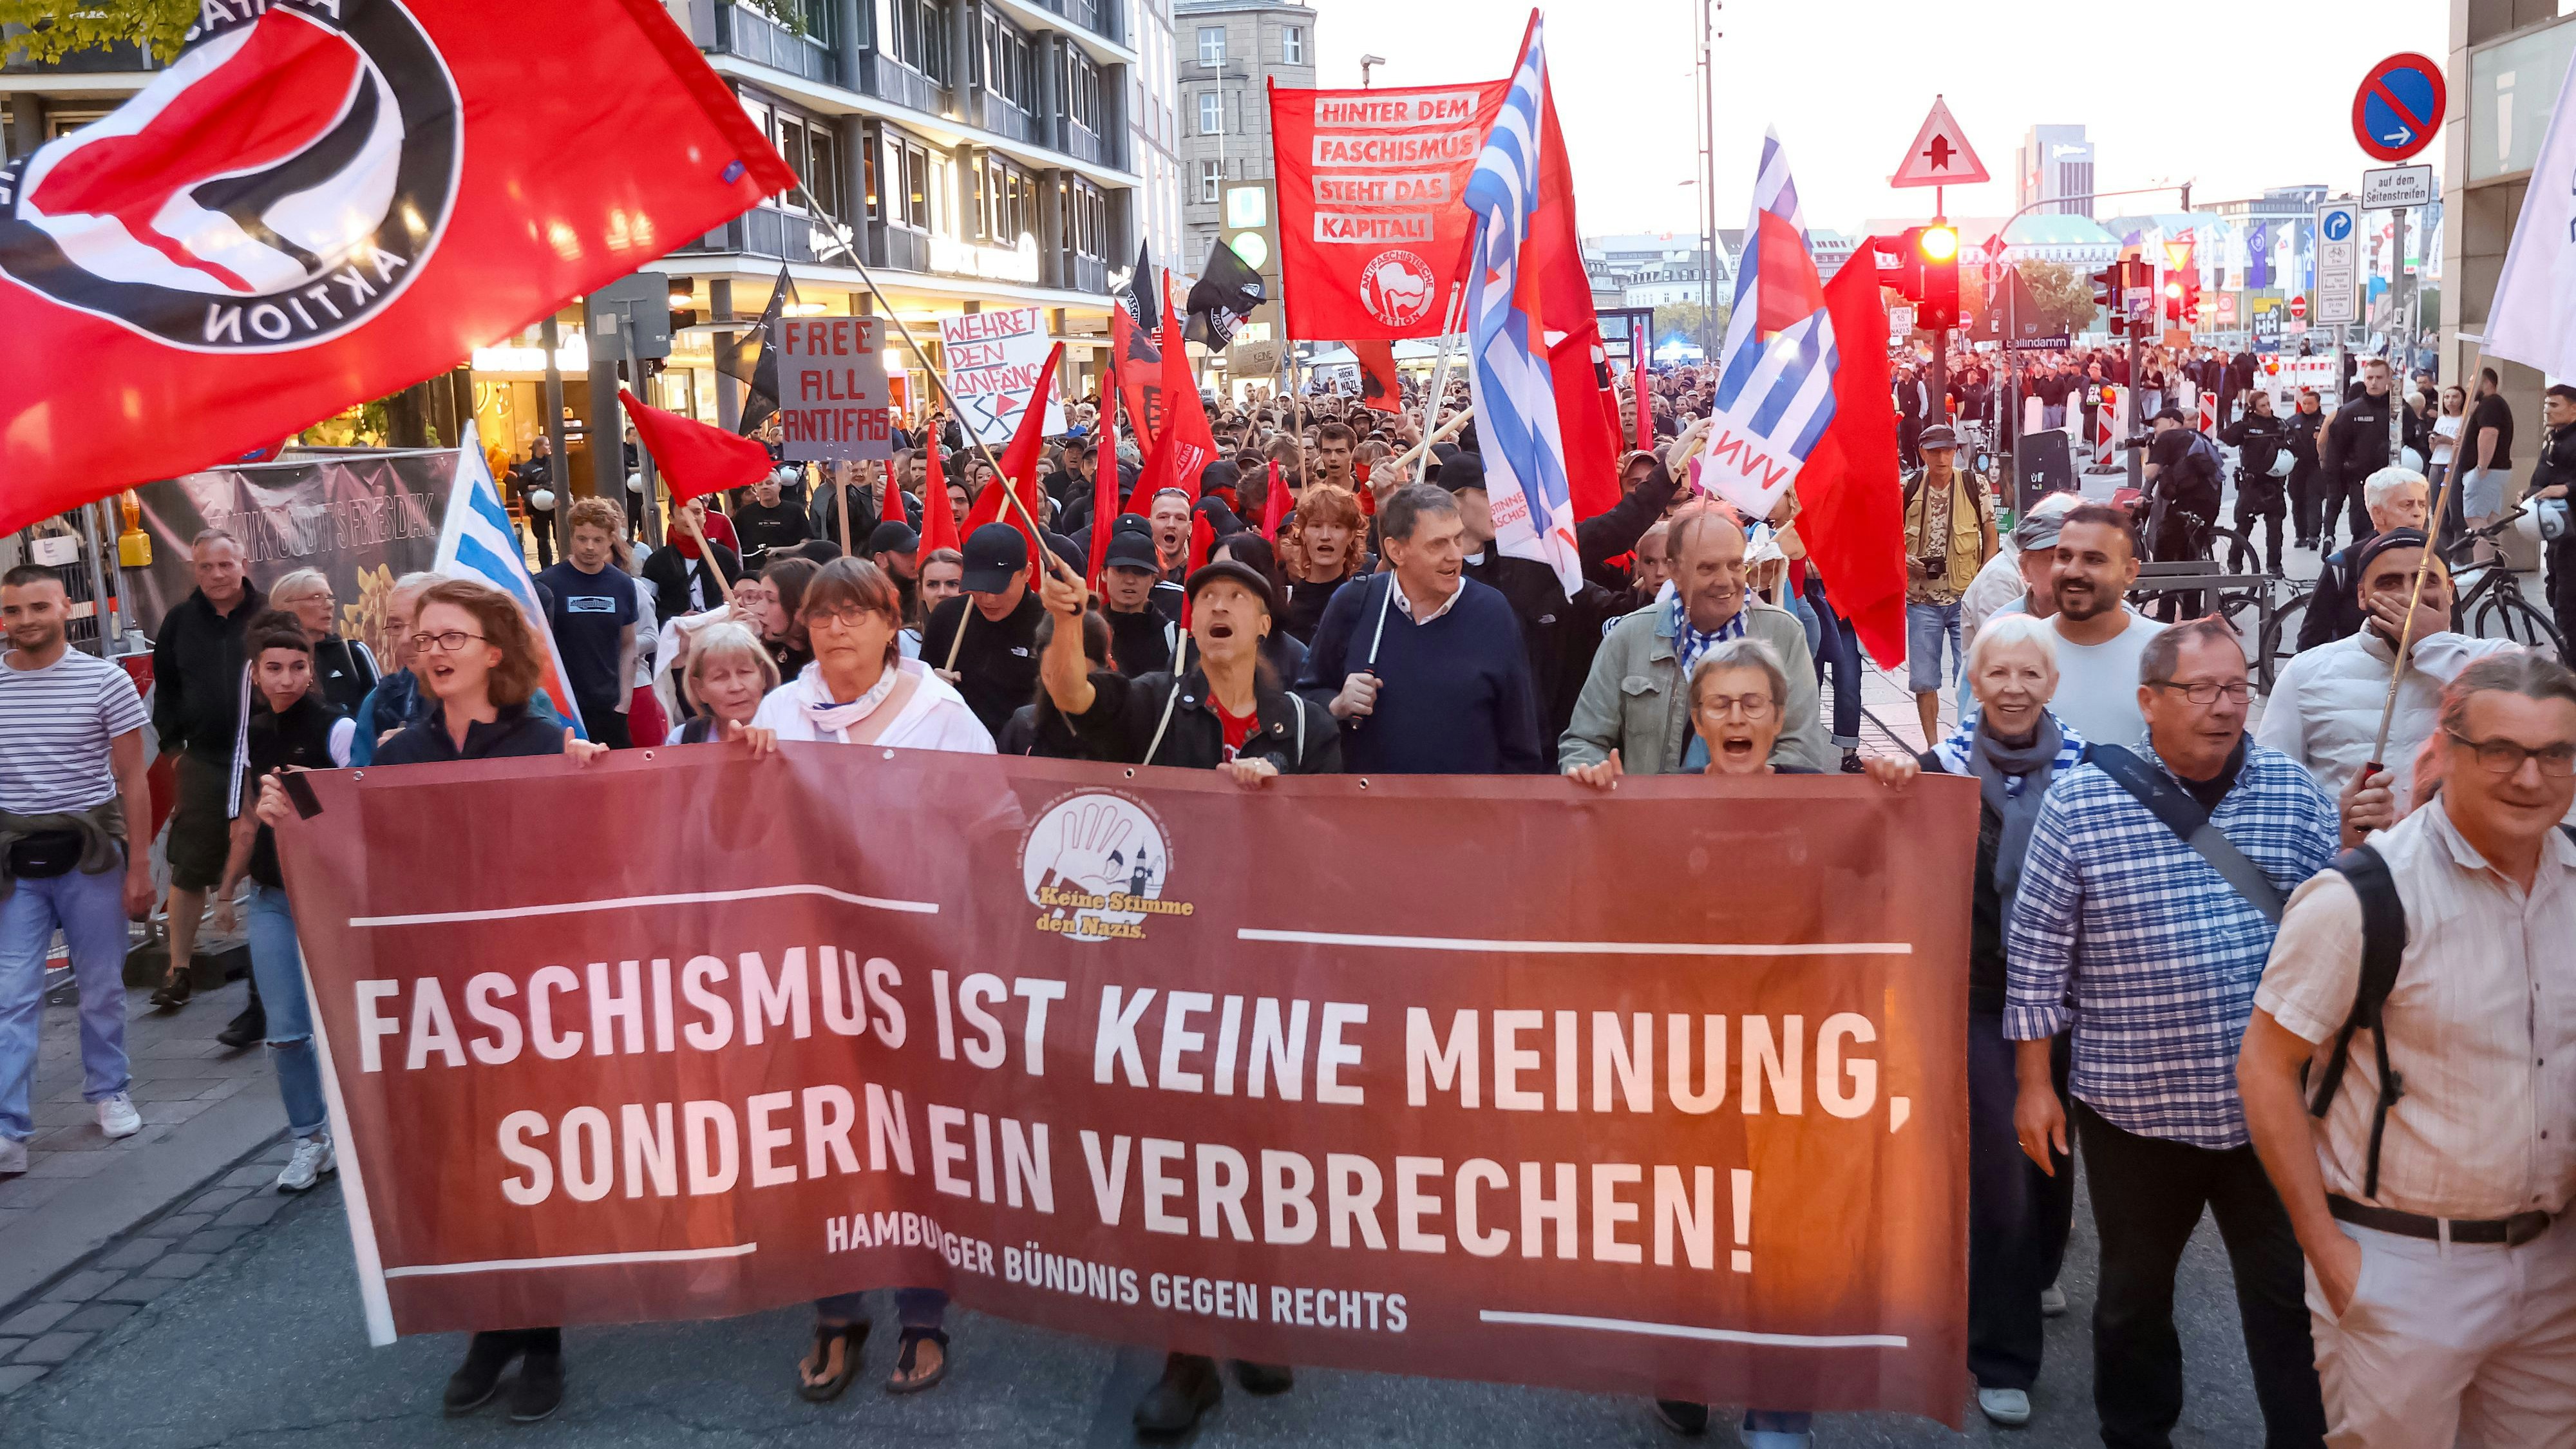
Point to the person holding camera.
(1949, 535)
(2265, 461)
(2182, 483)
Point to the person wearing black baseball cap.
(1143, 609)
(985, 642)
(894, 547)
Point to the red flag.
(1274, 504)
(1184, 417)
(1853, 518)
(1645, 409)
(1104, 483)
(304, 212)
(1157, 475)
(1353, 267)
(1379, 387)
(938, 515)
(1138, 366)
(696, 459)
(1202, 543)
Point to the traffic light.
(2191, 300)
(1936, 249)
(1907, 275)
(2173, 301)
(2106, 295)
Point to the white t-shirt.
(2097, 684)
(56, 727)
(936, 717)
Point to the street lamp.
(1368, 62)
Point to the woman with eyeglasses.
(343, 669)
(860, 690)
(474, 651)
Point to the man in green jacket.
(1636, 700)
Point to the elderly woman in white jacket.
(2324, 711)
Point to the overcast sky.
(2234, 96)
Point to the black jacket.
(1559, 634)
(1297, 734)
(2357, 439)
(197, 675)
(2557, 461)
(997, 663)
(669, 574)
(514, 732)
(2334, 605)
(2258, 441)
(762, 529)
(344, 670)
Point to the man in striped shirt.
(2160, 954)
(72, 800)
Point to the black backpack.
(2383, 945)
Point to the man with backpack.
(1949, 535)
(2420, 1005)
(2148, 900)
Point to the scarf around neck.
(1997, 766)
(830, 718)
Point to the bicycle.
(2497, 595)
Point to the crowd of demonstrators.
(75, 827)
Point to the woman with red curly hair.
(1320, 549)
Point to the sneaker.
(175, 991)
(2008, 1407)
(117, 1117)
(13, 1157)
(2052, 1302)
(312, 1162)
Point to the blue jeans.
(90, 910)
(913, 1307)
(277, 964)
(1837, 648)
(1926, 626)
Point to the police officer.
(2551, 478)
(2260, 439)
(2306, 429)
(2356, 446)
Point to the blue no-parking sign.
(2399, 107)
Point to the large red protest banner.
(319, 202)
(1655, 1092)
(1373, 222)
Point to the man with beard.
(2099, 638)
(895, 548)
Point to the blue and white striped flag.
(477, 542)
(1775, 386)
(1507, 348)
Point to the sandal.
(849, 1336)
(902, 1380)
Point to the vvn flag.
(1775, 384)
(319, 204)
(1853, 515)
(476, 542)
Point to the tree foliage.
(44, 31)
(2064, 295)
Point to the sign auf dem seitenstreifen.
(1147, 1057)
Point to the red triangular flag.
(1202, 542)
(1853, 518)
(938, 515)
(695, 459)
(1020, 466)
(1379, 388)
(1184, 417)
(1104, 482)
(1274, 504)
(1150, 479)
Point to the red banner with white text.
(1373, 221)
(1661, 1092)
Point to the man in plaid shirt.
(2159, 955)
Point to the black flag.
(753, 363)
(1226, 293)
(1138, 295)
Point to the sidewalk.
(205, 1107)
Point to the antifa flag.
(1226, 293)
(318, 205)
(751, 361)
(1138, 295)
(1379, 387)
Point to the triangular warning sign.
(1941, 154)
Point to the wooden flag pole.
(841, 237)
(841, 496)
(2406, 627)
(1448, 430)
(707, 551)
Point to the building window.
(1211, 45)
(1082, 89)
(914, 205)
(1211, 176)
(823, 182)
(920, 35)
(1292, 45)
(1211, 113)
(1006, 62)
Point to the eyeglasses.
(2504, 757)
(447, 643)
(2206, 692)
(1727, 706)
(845, 618)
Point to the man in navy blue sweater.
(1422, 665)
